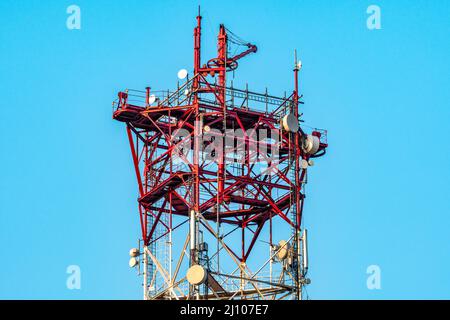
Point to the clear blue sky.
(380, 196)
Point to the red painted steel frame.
(165, 190)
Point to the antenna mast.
(196, 188)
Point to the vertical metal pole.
(178, 92)
(145, 273)
(222, 55)
(197, 53)
(196, 167)
(193, 235)
(170, 238)
(270, 246)
(299, 274)
(218, 226)
(193, 230)
(146, 187)
(267, 105)
(246, 95)
(147, 96)
(297, 179)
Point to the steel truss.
(230, 195)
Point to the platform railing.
(236, 98)
(138, 98)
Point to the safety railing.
(139, 98)
(236, 98)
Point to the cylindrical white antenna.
(305, 250)
(192, 230)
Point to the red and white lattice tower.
(221, 174)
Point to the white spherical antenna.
(182, 74)
(151, 99)
(187, 92)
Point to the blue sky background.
(380, 196)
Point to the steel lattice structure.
(221, 174)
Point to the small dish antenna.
(283, 249)
(151, 99)
(311, 144)
(133, 262)
(134, 252)
(299, 64)
(182, 74)
(304, 164)
(196, 275)
(290, 123)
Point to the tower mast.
(195, 189)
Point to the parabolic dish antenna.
(290, 123)
(196, 275)
(151, 99)
(133, 262)
(283, 249)
(134, 252)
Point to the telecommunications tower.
(221, 175)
